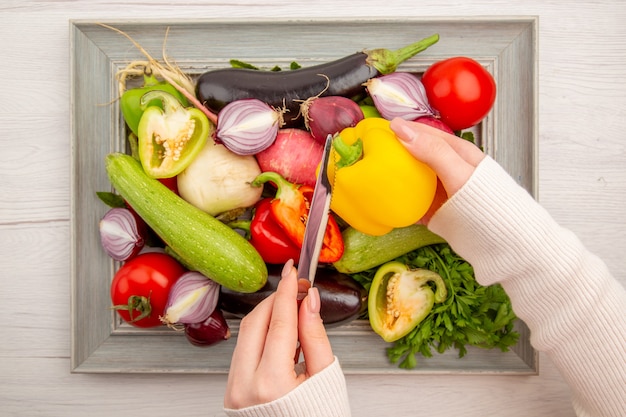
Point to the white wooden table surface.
(582, 182)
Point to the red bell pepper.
(268, 238)
(290, 210)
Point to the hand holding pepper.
(452, 158)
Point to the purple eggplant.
(287, 89)
(342, 298)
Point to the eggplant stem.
(387, 61)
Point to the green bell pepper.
(170, 136)
(130, 100)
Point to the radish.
(295, 155)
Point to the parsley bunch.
(472, 314)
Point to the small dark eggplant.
(342, 298)
(287, 89)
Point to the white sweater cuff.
(323, 394)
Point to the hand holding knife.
(316, 225)
(317, 219)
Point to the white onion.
(399, 94)
(248, 126)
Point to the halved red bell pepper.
(267, 237)
(290, 209)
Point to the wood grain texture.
(582, 182)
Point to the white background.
(582, 182)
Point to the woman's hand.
(453, 159)
(262, 367)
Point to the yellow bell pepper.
(377, 184)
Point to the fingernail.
(403, 130)
(314, 300)
(287, 269)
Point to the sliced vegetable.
(192, 299)
(169, 137)
(248, 126)
(121, 235)
(267, 237)
(200, 240)
(328, 115)
(218, 180)
(472, 315)
(400, 298)
(400, 94)
(295, 155)
(342, 299)
(363, 251)
(140, 288)
(130, 102)
(461, 90)
(208, 332)
(377, 184)
(290, 209)
(287, 89)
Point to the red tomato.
(142, 285)
(461, 90)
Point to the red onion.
(209, 332)
(329, 115)
(120, 234)
(399, 94)
(248, 126)
(191, 299)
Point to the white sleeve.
(324, 394)
(575, 309)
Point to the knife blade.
(317, 219)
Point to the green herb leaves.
(471, 315)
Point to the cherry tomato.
(461, 90)
(141, 286)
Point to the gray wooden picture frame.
(101, 343)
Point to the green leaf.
(111, 200)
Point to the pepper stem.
(349, 154)
(387, 61)
(170, 103)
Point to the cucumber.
(363, 251)
(201, 241)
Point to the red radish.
(329, 115)
(434, 122)
(295, 155)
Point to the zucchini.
(200, 241)
(363, 251)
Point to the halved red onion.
(399, 94)
(191, 299)
(248, 126)
(120, 234)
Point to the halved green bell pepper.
(169, 137)
(130, 100)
